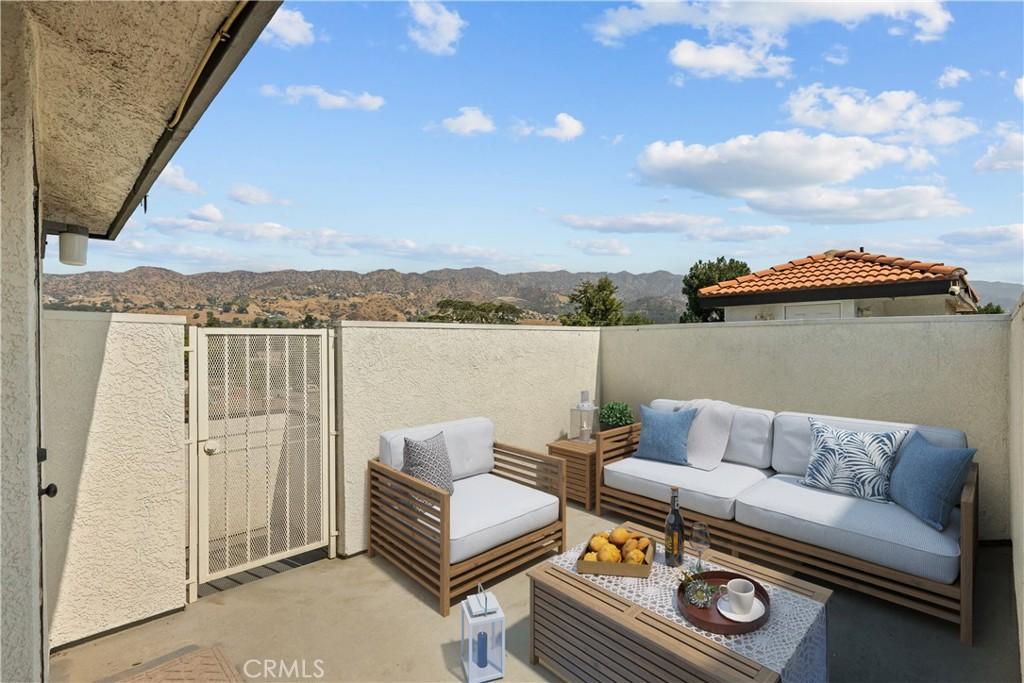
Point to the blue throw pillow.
(663, 434)
(927, 479)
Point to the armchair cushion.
(470, 444)
(487, 510)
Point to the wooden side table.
(580, 469)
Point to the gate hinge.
(40, 454)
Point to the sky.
(601, 136)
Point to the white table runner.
(793, 643)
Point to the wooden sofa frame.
(410, 523)
(954, 603)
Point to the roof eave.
(887, 290)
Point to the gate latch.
(211, 447)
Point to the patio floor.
(367, 622)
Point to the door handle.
(211, 447)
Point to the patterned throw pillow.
(428, 461)
(853, 463)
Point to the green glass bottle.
(674, 532)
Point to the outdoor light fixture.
(74, 242)
(582, 419)
(482, 638)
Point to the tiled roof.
(840, 268)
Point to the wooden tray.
(710, 619)
(641, 571)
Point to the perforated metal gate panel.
(263, 429)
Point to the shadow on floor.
(257, 573)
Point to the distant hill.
(1006, 294)
(346, 295)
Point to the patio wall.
(942, 370)
(1017, 462)
(21, 633)
(113, 413)
(398, 374)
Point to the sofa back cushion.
(470, 444)
(791, 441)
(750, 439)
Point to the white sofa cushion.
(470, 444)
(708, 492)
(791, 449)
(883, 533)
(750, 439)
(487, 510)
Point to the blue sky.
(601, 136)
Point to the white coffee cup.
(741, 595)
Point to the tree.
(485, 313)
(990, 308)
(309, 322)
(212, 320)
(704, 274)
(596, 305)
(637, 318)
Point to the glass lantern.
(582, 419)
(482, 638)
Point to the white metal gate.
(262, 474)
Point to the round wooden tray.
(710, 619)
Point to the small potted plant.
(615, 414)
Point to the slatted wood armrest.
(611, 445)
(536, 470)
(409, 522)
(968, 550)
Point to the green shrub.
(616, 414)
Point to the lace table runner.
(793, 643)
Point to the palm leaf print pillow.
(852, 463)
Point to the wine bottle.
(674, 532)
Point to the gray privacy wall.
(1016, 378)
(113, 414)
(393, 375)
(941, 370)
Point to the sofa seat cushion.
(470, 444)
(883, 533)
(707, 492)
(487, 510)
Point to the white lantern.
(483, 638)
(582, 419)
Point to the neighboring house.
(844, 284)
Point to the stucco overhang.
(111, 77)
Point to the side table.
(580, 469)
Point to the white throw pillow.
(709, 434)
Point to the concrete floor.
(367, 622)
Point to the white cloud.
(838, 54)
(566, 128)
(436, 29)
(207, 212)
(731, 60)
(1018, 88)
(770, 161)
(647, 222)
(608, 247)
(743, 233)
(173, 176)
(251, 194)
(901, 115)
(287, 29)
(831, 205)
(470, 121)
(334, 242)
(1005, 156)
(987, 235)
(343, 99)
(242, 232)
(767, 22)
(952, 76)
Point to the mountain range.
(240, 297)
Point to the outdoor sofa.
(508, 507)
(756, 507)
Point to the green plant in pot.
(615, 414)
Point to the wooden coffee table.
(583, 632)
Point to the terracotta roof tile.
(838, 268)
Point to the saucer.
(756, 610)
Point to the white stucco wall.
(932, 304)
(21, 636)
(113, 411)
(1016, 448)
(942, 370)
(395, 375)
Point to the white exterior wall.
(397, 375)
(1016, 372)
(932, 304)
(942, 370)
(115, 536)
(22, 656)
